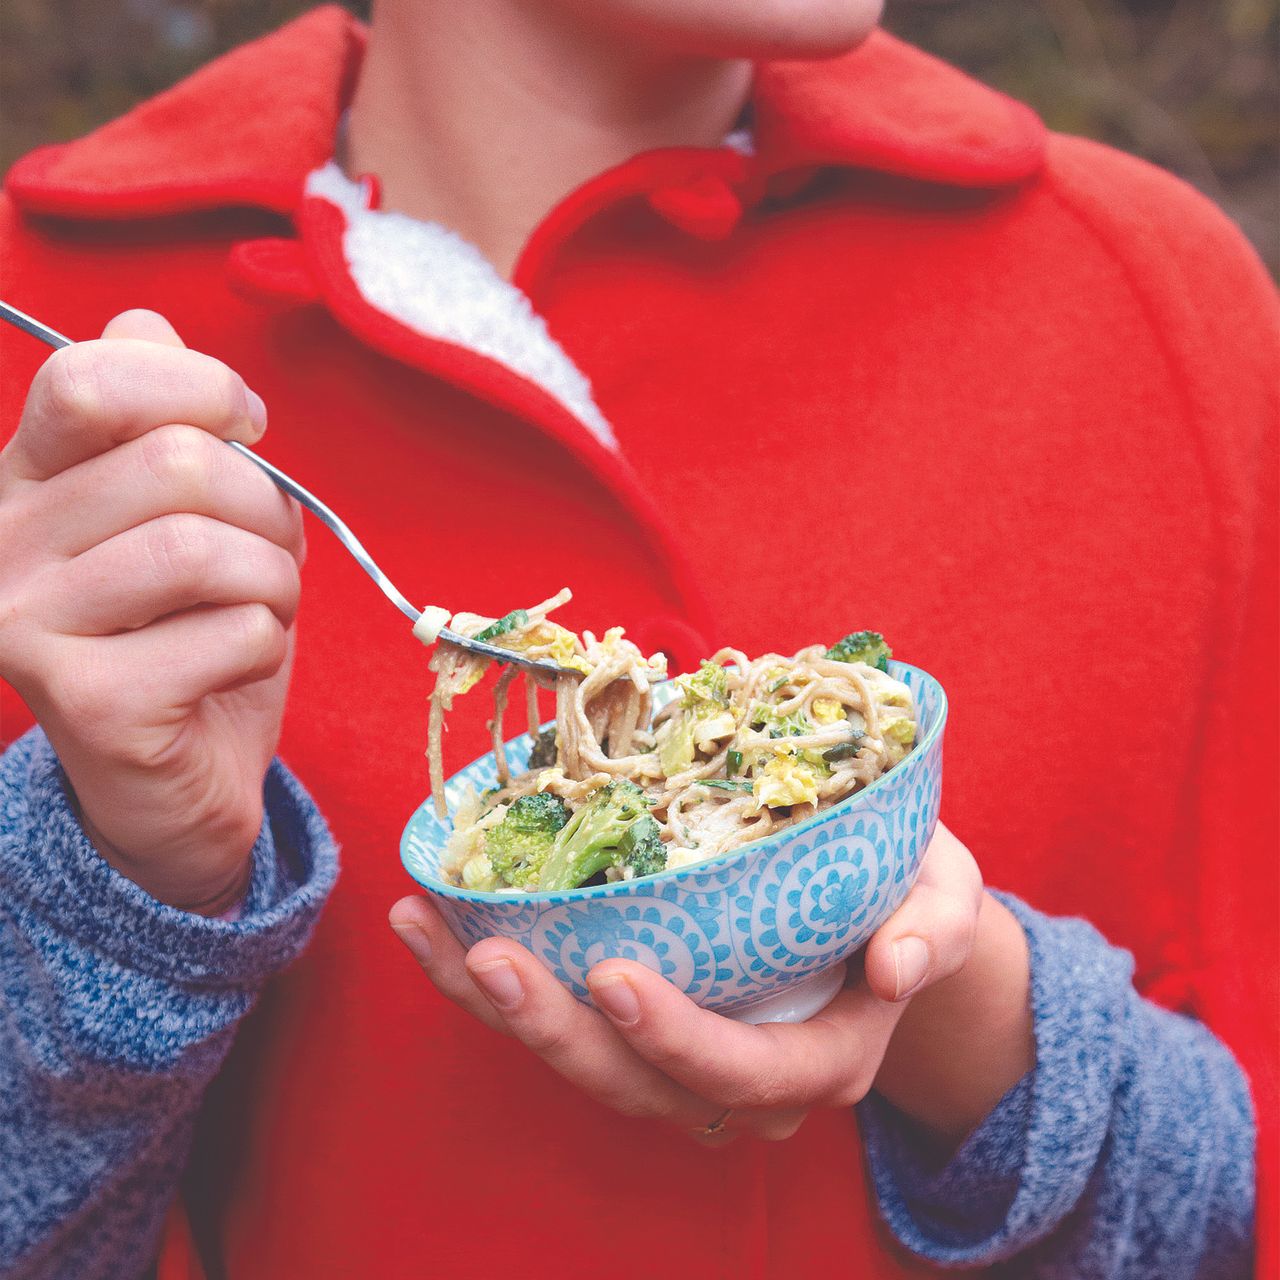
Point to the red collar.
(248, 128)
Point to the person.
(752, 324)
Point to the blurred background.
(1193, 85)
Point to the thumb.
(930, 936)
(144, 326)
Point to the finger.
(575, 1040)
(171, 469)
(442, 957)
(765, 1126)
(769, 1126)
(829, 1060)
(166, 566)
(113, 689)
(931, 935)
(424, 932)
(92, 396)
(147, 326)
(207, 650)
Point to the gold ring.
(716, 1126)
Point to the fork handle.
(29, 324)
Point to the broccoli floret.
(642, 848)
(862, 646)
(543, 755)
(521, 843)
(509, 622)
(614, 828)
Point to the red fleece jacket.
(1009, 397)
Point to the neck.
(484, 116)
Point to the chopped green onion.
(733, 763)
(721, 784)
(516, 618)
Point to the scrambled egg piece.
(561, 642)
(785, 780)
(901, 730)
(899, 734)
(826, 710)
(472, 678)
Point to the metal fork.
(481, 649)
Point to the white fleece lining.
(437, 283)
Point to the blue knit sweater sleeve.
(1126, 1154)
(117, 1013)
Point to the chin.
(753, 29)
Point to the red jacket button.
(271, 270)
(708, 207)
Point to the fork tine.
(495, 653)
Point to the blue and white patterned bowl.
(757, 934)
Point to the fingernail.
(910, 961)
(257, 409)
(500, 982)
(617, 997)
(415, 938)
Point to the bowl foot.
(797, 1002)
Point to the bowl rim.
(623, 888)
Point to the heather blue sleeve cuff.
(942, 1199)
(1126, 1152)
(56, 880)
(118, 1011)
